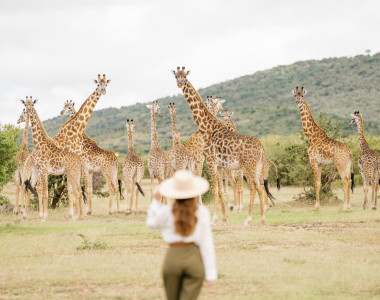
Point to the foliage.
(4, 200)
(8, 152)
(89, 245)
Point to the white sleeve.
(157, 215)
(206, 247)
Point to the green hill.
(262, 103)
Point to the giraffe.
(70, 137)
(179, 156)
(324, 150)
(158, 162)
(230, 124)
(133, 170)
(50, 159)
(369, 162)
(22, 156)
(98, 160)
(222, 147)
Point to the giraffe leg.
(214, 185)
(86, 177)
(126, 187)
(374, 190)
(260, 190)
(111, 192)
(317, 181)
(234, 188)
(220, 193)
(133, 189)
(45, 196)
(266, 204)
(198, 172)
(346, 179)
(151, 184)
(252, 193)
(240, 189)
(71, 199)
(16, 180)
(225, 186)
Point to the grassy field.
(299, 254)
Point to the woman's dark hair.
(184, 216)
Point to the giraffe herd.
(230, 156)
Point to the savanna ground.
(299, 254)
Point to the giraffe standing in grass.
(22, 156)
(158, 161)
(97, 160)
(179, 156)
(50, 159)
(133, 170)
(369, 162)
(224, 148)
(324, 150)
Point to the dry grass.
(300, 254)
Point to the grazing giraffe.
(230, 124)
(97, 160)
(50, 159)
(70, 137)
(369, 162)
(158, 162)
(22, 156)
(179, 156)
(133, 170)
(324, 150)
(228, 149)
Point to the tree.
(8, 152)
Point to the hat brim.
(199, 186)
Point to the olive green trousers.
(183, 273)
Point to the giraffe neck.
(310, 127)
(154, 138)
(362, 141)
(25, 135)
(39, 134)
(204, 119)
(130, 139)
(230, 124)
(77, 124)
(175, 133)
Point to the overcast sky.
(53, 50)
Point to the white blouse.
(160, 216)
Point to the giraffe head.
(22, 118)
(226, 114)
(130, 125)
(355, 118)
(209, 103)
(101, 84)
(299, 93)
(68, 108)
(29, 103)
(155, 108)
(218, 102)
(171, 107)
(180, 76)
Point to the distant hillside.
(262, 103)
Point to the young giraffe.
(324, 150)
(230, 124)
(228, 149)
(22, 156)
(70, 137)
(158, 162)
(97, 159)
(133, 170)
(178, 154)
(369, 162)
(50, 159)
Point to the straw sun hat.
(183, 185)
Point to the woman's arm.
(157, 213)
(207, 248)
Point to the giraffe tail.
(29, 187)
(140, 189)
(352, 182)
(270, 196)
(84, 196)
(245, 179)
(119, 184)
(278, 179)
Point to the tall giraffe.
(99, 160)
(229, 149)
(50, 159)
(369, 162)
(158, 162)
(179, 156)
(230, 124)
(22, 156)
(133, 170)
(324, 150)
